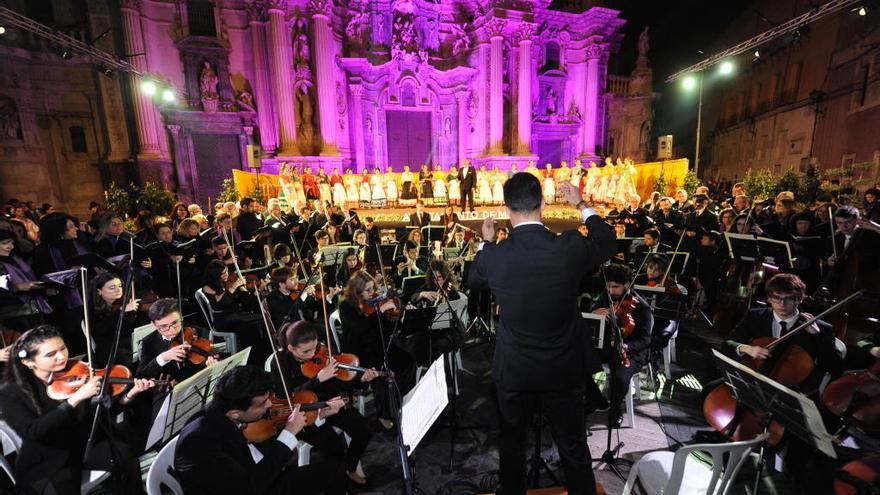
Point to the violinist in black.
(104, 301)
(300, 341)
(635, 320)
(438, 290)
(55, 431)
(235, 309)
(283, 308)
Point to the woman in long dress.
(484, 188)
(454, 189)
(377, 182)
(408, 192)
(299, 192)
(338, 189)
(390, 187)
(626, 186)
(549, 185)
(364, 190)
(440, 195)
(426, 186)
(324, 193)
(498, 179)
(351, 189)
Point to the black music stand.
(432, 233)
(794, 411)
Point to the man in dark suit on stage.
(420, 218)
(467, 178)
(540, 359)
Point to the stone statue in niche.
(302, 86)
(369, 127)
(10, 124)
(447, 127)
(551, 101)
(208, 88)
(341, 104)
(643, 43)
(460, 41)
(301, 50)
(357, 27)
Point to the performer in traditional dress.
(426, 186)
(484, 187)
(626, 186)
(298, 188)
(532, 169)
(391, 192)
(377, 183)
(454, 189)
(408, 192)
(324, 193)
(548, 185)
(337, 188)
(440, 195)
(365, 191)
(310, 184)
(498, 179)
(351, 189)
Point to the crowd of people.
(274, 278)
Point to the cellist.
(618, 279)
(300, 343)
(785, 292)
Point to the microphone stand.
(609, 457)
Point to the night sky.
(678, 29)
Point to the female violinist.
(439, 288)
(300, 343)
(352, 263)
(367, 334)
(105, 299)
(635, 320)
(235, 309)
(54, 432)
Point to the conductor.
(540, 360)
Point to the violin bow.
(671, 259)
(326, 317)
(84, 276)
(815, 318)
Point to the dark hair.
(656, 260)
(785, 282)
(280, 275)
(804, 216)
(618, 273)
(219, 241)
(321, 233)
(654, 233)
(238, 387)
(846, 212)
(441, 267)
(246, 201)
(522, 193)
(410, 245)
(714, 235)
(162, 308)
(163, 225)
(52, 227)
(212, 275)
(296, 333)
(24, 348)
(281, 250)
(97, 283)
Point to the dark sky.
(678, 30)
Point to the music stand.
(137, 335)
(433, 233)
(188, 397)
(596, 326)
(678, 260)
(410, 285)
(794, 411)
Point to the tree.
(691, 182)
(759, 186)
(229, 193)
(120, 199)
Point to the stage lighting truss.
(794, 25)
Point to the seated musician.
(655, 274)
(652, 244)
(352, 263)
(283, 307)
(410, 264)
(366, 335)
(106, 294)
(213, 456)
(300, 340)
(235, 309)
(23, 291)
(785, 292)
(637, 340)
(439, 287)
(55, 431)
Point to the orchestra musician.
(538, 356)
(284, 307)
(300, 343)
(55, 433)
(439, 287)
(212, 455)
(637, 340)
(420, 218)
(107, 291)
(411, 264)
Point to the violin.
(669, 286)
(855, 397)
(858, 477)
(348, 365)
(77, 373)
(624, 310)
(392, 313)
(279, 411)
(8, 337)
(200, 349)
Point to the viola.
(855, 397)
(279, 411)
(77, 373)
(348, 365)
(200, 349)
(624, 310)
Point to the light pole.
(689, 83)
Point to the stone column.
(279, 52)
(262, 90)
(591, 101)
(496, 87)
(357, 121)
(152, 144)
(461, 98)
(326, 87)
(524, 95)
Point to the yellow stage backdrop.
(647, 173)
(246, 183)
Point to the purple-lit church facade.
(376, 83)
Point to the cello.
(790, 369)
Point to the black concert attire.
(643, 250)
(638, 348)
(684, 208)
(540, 356)
(361, 337)
(54, 439)
(238, 313)
(417, 220)
(282, 308)
(102, 326)
(421, 267)
(212, 456)
(702, 219)
(373, 236)
(426, 348)
(348, 419)
(467, 179)
(112, 245)
(637, 221)
(151, 365)
(21, 310)
(668, 222)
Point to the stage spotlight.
(757, 53)
(726, 68)
(168, 96)
(66, 55)
(148, 87)
(109, 72)
(2, 30)
(863, 11)
(689, 83)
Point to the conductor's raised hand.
(571, 192)
(488, 229)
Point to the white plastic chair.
(205, 306)
(635, 392)
(335, 325)
(671, 473)
(160, 471)
(12, 443)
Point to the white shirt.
(789, 322)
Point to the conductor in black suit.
(467, 178)
(539, 357)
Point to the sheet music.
(423, 405)
(597, 323)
